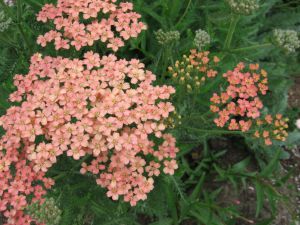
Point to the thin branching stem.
(184, 14)
(251, 48)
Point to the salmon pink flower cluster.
(20, 182)
(77, 24)
(101, 110)
(240, 103)
(100, 107)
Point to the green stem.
(197, 170)
(34, 3)
(19, 10)
(178, 189)
(24, 37)
(216, 6)
(197, 116)
(171, 201)
(167, 55)
(157, 61)
(280, 6)
(216, 131)
(63, 174)
(232, 27)
(221, 209)
(205, 147)
(184, 14)
(251, 48)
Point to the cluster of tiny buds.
(4, 22)
(287, 40)
(243, 7)
(193, 70)
(46, 213)
(174, 120)
(164, 38)
(270, 128)
(202, 39)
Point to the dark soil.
(288, 210)
(294, 94)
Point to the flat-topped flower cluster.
(101, 108)
(98, 106)
(241, 97)
(239, 106)
(77, 24)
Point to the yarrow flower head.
(202, 39)
(243, 7)
(168, 37)
(241, 99)
(47, 213)
(287, 40)
(193, 70)
(239, 106)
(77, 24)
(99, 107)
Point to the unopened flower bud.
(243, 7)
(47, 213)
(202, 39)
(286, 39)
(165, 38)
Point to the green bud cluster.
(47, 213)
(4, 23)
(202, 39)
(168, 37)
(286, 39)
(243, 7)
(173, 120)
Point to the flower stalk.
(251, 48)
(232, 27)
